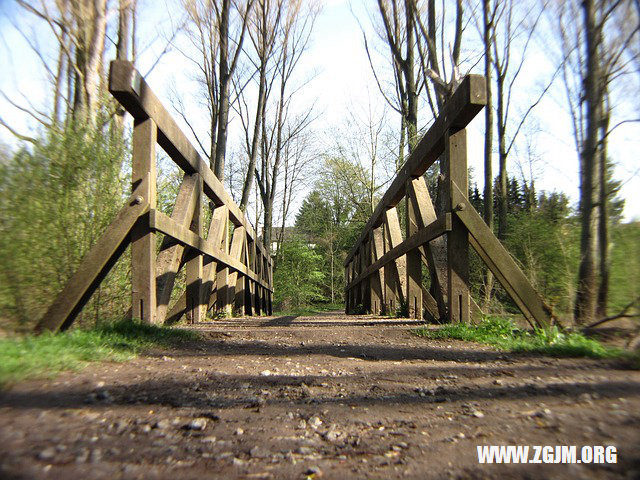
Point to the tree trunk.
(412, 95)
(122, 48)
(585, 307)
(89, 50)
(253, 153)
(604, 242)
(59, 82)
(502, 157)
(225, 80)
(268, 223)
(488, 140)
(124, 30)
(95, 52)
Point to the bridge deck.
(356, 397)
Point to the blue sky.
(343, 83)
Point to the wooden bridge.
(384, 272)
(230, 270)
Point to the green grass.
(47, 354)
(504, 334)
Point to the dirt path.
(331, 396)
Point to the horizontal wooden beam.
(135, 95)
(96, 264)
(459, 110)
(160, 222)
(421, 237)
(500, 262)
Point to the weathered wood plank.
(135, 95)
(459, 110)
(430, 305)
(441, 226)
(195, 310)
(377, 279)
(95, 265)
(217, 230)
(237, 248)
(501, 263)
(170, 257)
(413, 257)
(143, 240)
(455, 159)
(435, 251)
(396, 278)
(163, 223)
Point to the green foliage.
(625, 266)
(331, 218)
(402, 311)
(548, 252)
(298, 275)
(504, 334)
(36, 356)
(55, 200)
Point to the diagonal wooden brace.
(96, 264)
(498, 259)
(171, 257)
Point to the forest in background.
(60, 188)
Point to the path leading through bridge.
(350, 397)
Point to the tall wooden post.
(458, 238)
(253, 287)
(395, 271)
(170, 258)
(143, 246)
(390, 272)
(270, 294)
(414, 258)
(365, 261)
(435, 252)
(376, 280)
(347, 293)
(236, 251)
(357, 297)
(222, 277)
(195, 310)
(217, 233)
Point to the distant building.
(288, 233)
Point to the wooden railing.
(383, 271)
(228, 269)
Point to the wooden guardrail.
(383, 271)
(228, 269)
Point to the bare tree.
(512, 24)
(80, 31)
(298, 20)
(217, 29)
(263, 32)
(589, 74)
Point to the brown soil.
(328, 396)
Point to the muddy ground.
(308, 397)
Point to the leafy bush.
(56, 198)
(298, 275)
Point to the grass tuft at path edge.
(504, 334)
(47, 354)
